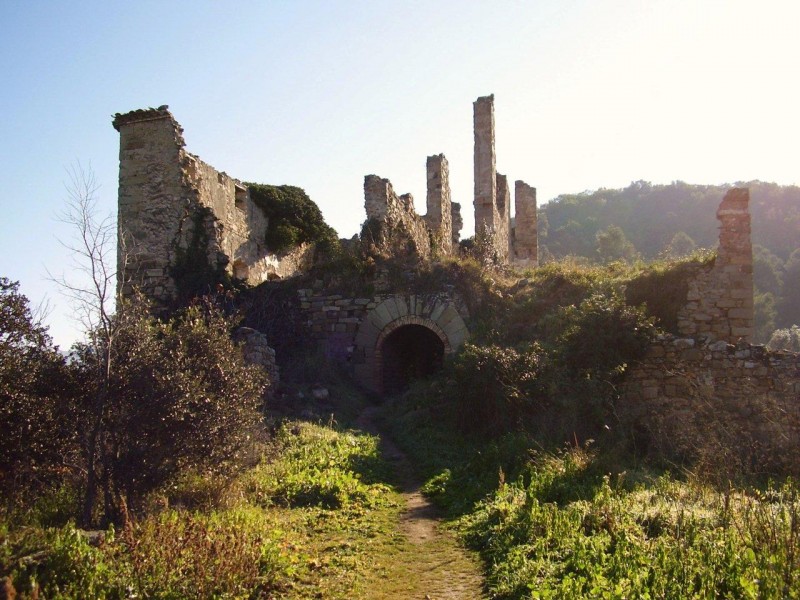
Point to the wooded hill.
(650, 221)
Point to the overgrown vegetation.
(312, 518)
(674, 220)
(293, 218)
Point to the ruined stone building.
(510, 240)
(177, 213)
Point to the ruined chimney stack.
(526, 245)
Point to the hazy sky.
(588, 94)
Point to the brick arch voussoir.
(411, 320)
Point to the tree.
(681, 245)
(36, 443)
(789, 305)
(613, 245)
(786, 339)
(157, 398)
(180, 397)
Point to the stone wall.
(174, 207)
(503, 233)
(401, 231)
(347, 330)
(689, 396)
(708, 390)
(720, 299)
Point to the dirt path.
(429, 563)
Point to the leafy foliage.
(36, 387)
(293, 218)
(179, 397)
(563, 531)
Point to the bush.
(178, 397)
(37, 439)
(495, 388)
(292, 217)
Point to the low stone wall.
(688, 397)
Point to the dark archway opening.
(408, 353)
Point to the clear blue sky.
(588, 94)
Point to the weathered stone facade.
(176, 211)
(720, 299)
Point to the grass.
(311, 521)
(580, 522)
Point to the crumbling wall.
(179, 215)
(503, 233)
(398, 229)
(690, 398)
(526, 244)
(708, 390)
(720, 299)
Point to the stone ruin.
(509, 240)
(176, 209)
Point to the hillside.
(673, 220)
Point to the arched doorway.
(408, 353)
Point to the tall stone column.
(735, 260)
(503, 231)
(439, 216)
(486, 217)
(526, 244)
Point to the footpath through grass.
(574, 523)
(323, 515)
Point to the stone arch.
(409, 316)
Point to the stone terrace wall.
(683, 390)
(720, 300)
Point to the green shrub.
(317, 466)
(293, 218)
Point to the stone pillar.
(486, 217)
(439, 216)
(526, 245)
(458, 222)
(719, 301)
(735, 260)
(503, 233)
